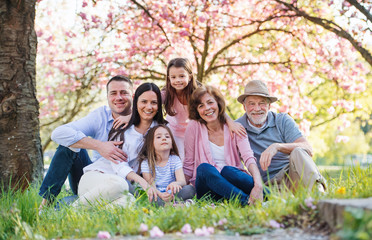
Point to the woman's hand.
(121, 121)
(166, 197)
(256, 194)
(174, 187)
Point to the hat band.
(251, 93)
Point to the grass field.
(20, 218)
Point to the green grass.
(20, 218)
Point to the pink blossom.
(143, 228)
(186, 229)
(85, 4)
(223, 221)
(341, 138)
(83, 16)
(309, 203)
(95, 19)
(331, 110)
(184, 33)
(204, 231)
(274, 224)
(103, 235)
(155, 232)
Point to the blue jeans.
(231, 183)
(65, 163)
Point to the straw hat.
(256, 88)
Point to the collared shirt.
(96, 124)
(280, 128)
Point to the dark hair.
(148, 148)
(135, 118)
(171, 92)
(195, 100)
(119, 78)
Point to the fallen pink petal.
(309, 203)
(274, 224)
(202, 231)
(103, 235)
(143, 228)
(223, 221)
(155, 232)
(186, 229)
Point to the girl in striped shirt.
(161, 166)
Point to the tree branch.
(333, 27)
(152, 18)
(235, 41)
(246, 64)
(361, 9)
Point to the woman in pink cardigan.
(213, 156)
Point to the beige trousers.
(301, 169)
(96, 187)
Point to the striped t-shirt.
(164, 175)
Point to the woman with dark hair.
(105, 180)
(213, 156)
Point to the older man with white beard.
(283, 154)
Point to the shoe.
(320, 187)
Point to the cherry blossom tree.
(315, 56)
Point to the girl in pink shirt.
(213, 156)
(180, 84)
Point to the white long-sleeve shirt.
(133, 142)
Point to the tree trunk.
(21, 159)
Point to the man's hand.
(174, 187)
(267, 155)
(152, 193)
(238, 129)
(110, 151)
(256, 194)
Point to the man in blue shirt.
(90, 132)
(283, 154)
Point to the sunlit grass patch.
(20, 218)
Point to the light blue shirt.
(96, 125)
(279, 128)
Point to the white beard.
(254, 119)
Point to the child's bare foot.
(43, 203)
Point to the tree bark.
(21, 159)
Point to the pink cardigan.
(197, 149)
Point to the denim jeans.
(231, 183)
(65, 163)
